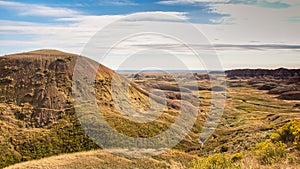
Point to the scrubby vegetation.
(289, 134)
(282, 146)
(281, 149)
(66, 136)
(218, 161)
(270, 153)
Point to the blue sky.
(110, 7)
(245, 33)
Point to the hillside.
(37, 115)
(39, 96)
(102, 160)
(37, 119)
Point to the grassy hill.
(38, 119)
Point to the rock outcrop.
(277, 73)
(41, 79)
(291, 95)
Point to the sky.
(239, 33)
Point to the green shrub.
(268, 153)
(289, 134)
(215, 161)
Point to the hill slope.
(37, 116)
(102, 160)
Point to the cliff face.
(284, 82)
(37, 117)
(39, 81)
(277, 73)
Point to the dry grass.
(251, 162)
(101, 159)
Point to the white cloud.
(291, 2)
(159, 16)
(123, 2)
(244, 24)
(186, 2)
(140, 16)
(37, 10)
(171, 2)
(270, 59)
(73, 32)
(240, 13)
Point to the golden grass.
(101, 159)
